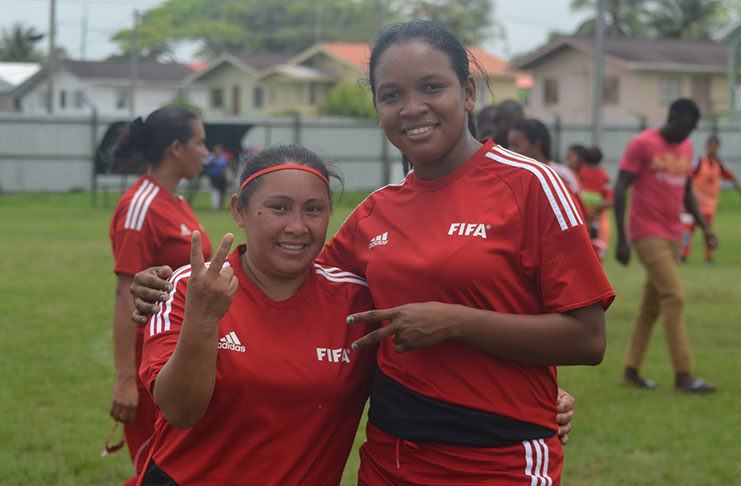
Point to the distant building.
(105, 85)
(13, 74)
(233, 84)
(641, 78)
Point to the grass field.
(56, 370)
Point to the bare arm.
(125, 393)
(569, 338)
(184, 386)
(625, 179)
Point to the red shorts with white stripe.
(388, 461)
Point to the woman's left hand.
(411, 326)
(564, 415)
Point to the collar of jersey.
(438, 184)
(246, 284)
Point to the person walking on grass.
(656, 164)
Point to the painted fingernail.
(143, 320)
(154, 309)
(355, 346)
(167, 287)
(350, 319)
(162, 297)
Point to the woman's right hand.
(125, 400)
(149, 289)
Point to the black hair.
(579, 150)
(534, 131)
(594, 156)
(711, 138)
(143, 143)
(278, 155)
(684, 106)
(420, 30)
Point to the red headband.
(282, 167)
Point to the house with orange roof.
(243, 85)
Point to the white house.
(81, 85)
(13, 74)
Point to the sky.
(527, 23)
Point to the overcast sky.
(527, 23)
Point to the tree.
(259, 26)
(18, 44)
(624, 18)
(349, 98)
(658, 19)
(687, 19)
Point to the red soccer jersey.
(152, 227)
(596, 180)
(289, 393)
(502, 233)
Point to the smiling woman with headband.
(252, 369)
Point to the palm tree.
(687, 19)
(624, 18)
(18, 44)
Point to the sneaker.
(710, 262)
(694, 385)
(632, 378)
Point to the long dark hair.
(535, 130)
(143, 142)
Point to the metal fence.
(57, 154)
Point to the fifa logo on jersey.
(469, 229)
(333, 355)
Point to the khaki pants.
(663, 294)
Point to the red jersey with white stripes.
(152, 227)
(502, 232)
(289, 392)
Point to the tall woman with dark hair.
(151, 225)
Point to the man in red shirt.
(657, 164)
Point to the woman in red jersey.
(484, 277)
(252, 370)
(465, 261)
(151, 225)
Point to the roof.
(491, 64)
(659, 54)
(14, 73)
(146, 70)
(356, 53)
(262, 61)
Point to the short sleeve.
(339, 252)
(632, 160)
(558, 254)
(162, 331)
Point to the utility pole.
(83, 35)
(318, 22)
(599, 73)
(51, 64)
(134, 71)
(382, 14)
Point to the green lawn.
(56, 300)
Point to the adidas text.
(379, 240)
(469, 229)
(231, 342)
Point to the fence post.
(297, 129)
(557, 133)
(93, 153)
(385, 161)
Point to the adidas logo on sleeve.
(231, 342)
(379, 240)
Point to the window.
(610, 91)
(701, 93)
(670, 88)
(550, 91)
(217, 98)
(62, 99)
(312, 93)
(77, 99)
(122, 98)
(257, 97)
(236, 100)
